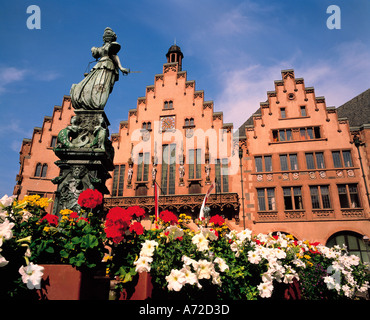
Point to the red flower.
(90, 198)
(73, 215)
(82, 218)
(51, 219)
(168, 216)
(137, 228)
(116, 223)
(217, 220)
(136, 210)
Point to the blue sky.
(234, 50)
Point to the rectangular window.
(348, 196)
(266, 199)
(283, 162)
(320, 163)
(303, 111)
(143, 167)
(168, 169)
(282, 135)
(195, 163)
(347, 159)
(282, 113)
(222, 177)
(53, 141)
(292, 198)
(320, 198)
(259, 163)
(309, 161)
(268, 163)
(225, 175)
(309, 133)
(337, 159)
(118, 180)
(293, 161)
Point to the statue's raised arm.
(93, 91)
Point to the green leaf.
(89, 241)
(64, 254)
(76, 240)
(49, 250)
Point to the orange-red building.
(301, 171)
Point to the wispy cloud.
(9, 75)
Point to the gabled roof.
(357, 110)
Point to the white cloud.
(9, 75)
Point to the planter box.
(142, 290)
(64, 282)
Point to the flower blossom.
(90, 198)
(200, 241)
(6, 230)
(32, 275)
(143, 264)
(176, 279)
(148, 248)
(265, 289)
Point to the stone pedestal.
(86, 157)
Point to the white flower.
(200, 241)
(245, 234)
(265, 289)
(143, 264)
(7, 201)
(216, 279)
(331, 283)
(221, 264)
(209, 234)
(148, 248)
(175, 280)
(190, 277)
(280, 254)
(254, 257)
(353, 260)
(204, 269)
(174, 232)
(188, 261)
(3, 261)
(32, 275)
(6, 229)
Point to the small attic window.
(291, 96)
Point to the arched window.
(38, 170)
(353, 241)
(44, 170)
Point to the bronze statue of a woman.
(93, 91)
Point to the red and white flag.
(201, 214)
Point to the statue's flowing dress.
(93, 91)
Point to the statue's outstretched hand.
(124, 71)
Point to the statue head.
(109, 35)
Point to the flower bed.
(209, 262)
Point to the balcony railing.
(179, 202)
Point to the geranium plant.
(35, 237)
